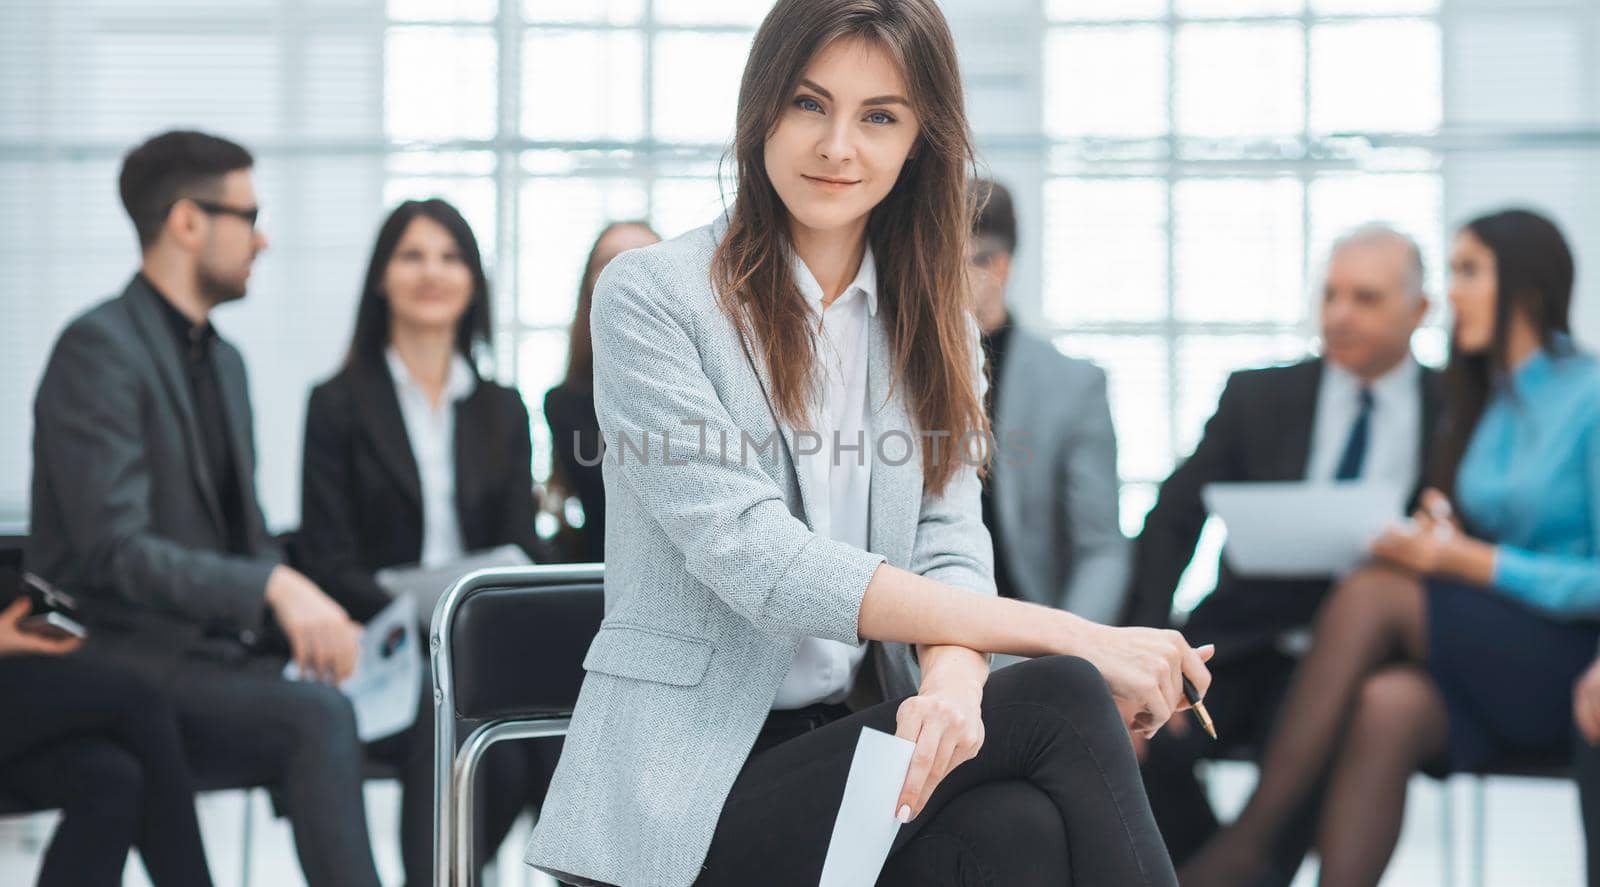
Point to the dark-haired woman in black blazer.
(569, 407)
(412, 458)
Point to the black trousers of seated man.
(243, 724)
(1052, 798)
(1246, 692)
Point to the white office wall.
(1530, 67)
(83, 80)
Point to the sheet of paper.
(427, 584)
(865, 828)
(1286, 530)
(386, 685)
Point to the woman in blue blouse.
(1459, 645)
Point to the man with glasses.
(1051, 498)
(144, 505)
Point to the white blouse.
(431, 431)
(824, 670)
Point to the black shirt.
(196, 347)
(994, 350)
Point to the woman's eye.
(806, 103)
(881, 118)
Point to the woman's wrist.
(949, 667)
(1468, 559)
(1070, 634)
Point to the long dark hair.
(918, 233)
(1533, 277)
(580, 348)
(372, 315)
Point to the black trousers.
(1052, 798)
(243, 724)
(1246, 691)
(104, 749)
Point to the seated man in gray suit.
(144, 506)
(1051, 499)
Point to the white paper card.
(387, 683)
(865, 828)
(1301, 529)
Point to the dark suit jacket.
(1261, 431)
(124, 510)
(361, 495)
(569, 411)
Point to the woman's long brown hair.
(918, 233)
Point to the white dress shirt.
(1394, 432)
(824, 670)
(431, 431)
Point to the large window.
(1201, 157)
(544, 120)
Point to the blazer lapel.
(235, 400)
(1003, 486)
(146, 314)
(472, 431)
(1300, 411)
(809, 497)
(894, 496)
(379, 407)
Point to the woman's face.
(1472, 293)
(427, 282)
(840, 143)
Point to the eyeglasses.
(249, 214)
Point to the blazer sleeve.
(518, 510)
(726, 516)
(1097, 583)
(953, 545)
(328, 536)
(563, 408)
(90, 448)
(1172, 528)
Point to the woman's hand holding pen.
(1145, 668)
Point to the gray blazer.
(1055, 481)
(713, 574)
(124, 511)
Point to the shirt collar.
(866, 281)
(188, 333)
(1401, 381)
(460, 382)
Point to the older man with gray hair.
(1362, 411)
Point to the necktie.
(1355, 447)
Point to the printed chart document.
(1301, 529)
(866, 825)
(387, 683)
(427, 584)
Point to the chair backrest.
(515, 639)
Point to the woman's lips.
(830, 185)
